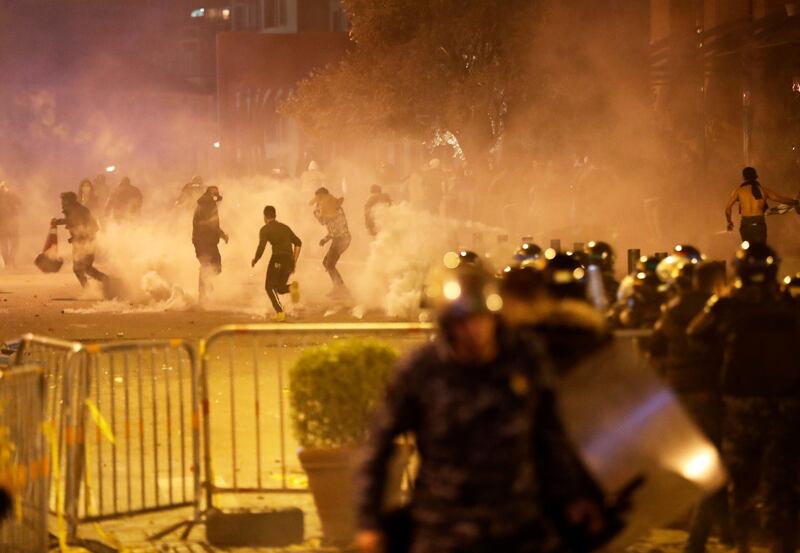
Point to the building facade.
(288, 16)
(274, 45)
(726, 79)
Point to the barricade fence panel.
(142, 431)
(127, 425)
(249, 445)
(54, 357)
(24, 462)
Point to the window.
(275, 13)
(244, 15)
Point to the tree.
(422, 68)
(542, 78)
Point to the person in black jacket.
(757, 330)
(206, 234)
(83, 229)
(693, 372)
(285, 251)
(477, 401)
(125, 202)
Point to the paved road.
(50, 305)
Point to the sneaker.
(294, 291)
(278, 317)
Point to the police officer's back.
(643, 307)
(757, 329)
(548, 300)
(687, 367)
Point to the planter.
(330, 477)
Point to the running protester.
(328, 211)
(285, 252)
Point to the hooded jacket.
(206, 232)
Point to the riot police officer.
(643, 307)
(756, 329)
(491, 456)
(693, 372)
(675, 270)
(791, 287)
(602, 256)
(548, 300)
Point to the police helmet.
(460, 289)
(646, 270)
(565, 275)
(600, 254)
(581, 257)
(690, 253)
(756, 263)
(527, 251)
(467, 257)
(523, 281)
(791, 286)
(675, 269)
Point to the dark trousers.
(760, 448)
(706, 410)
(280, 269)
(754, 229)
(210, 266)
(83, 263)
(338, 246)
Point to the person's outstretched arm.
(262, 244)
(774, 196)
(729, 209)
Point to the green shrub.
(333, 390)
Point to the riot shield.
(637, 441)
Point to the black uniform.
(572, 331)
(758, 331)
(281, 264)
(492, 453)
(643, 308)
(82, 228)
(693, 372)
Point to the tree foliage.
(529, 75)
(422, 67)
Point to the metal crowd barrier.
(245, 423)
(24, 462)
(142, 438)
(127, 425)
(54, 357)
(126, 417)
